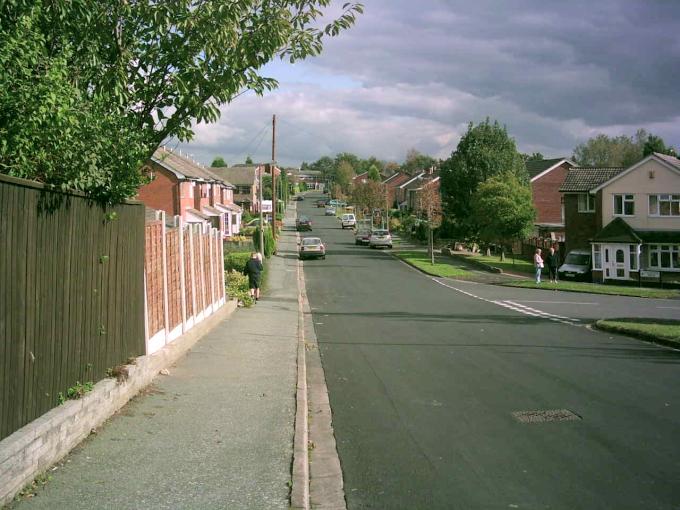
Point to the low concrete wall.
(36, 446)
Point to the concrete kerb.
(43, 442)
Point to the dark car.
(576, 267)
(322, 203)
(303, 223)
(299, 198)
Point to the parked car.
(577, 266)
(311, 247)
(322, 203)
(380, 239)
(348, 221)
(330, 210)
(303, 223)
(299, 198)
(362, 236)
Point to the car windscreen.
(577, 259)
(380, 232)
(303, 219)
(311, 241)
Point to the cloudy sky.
(412, 74)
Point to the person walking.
(552, 261)
(253, 270)
(538, 264)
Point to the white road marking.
(669, 307)
(556, 302)
(512, 305)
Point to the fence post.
(223, 294)
(166, 314)
(182, 281)
(146, 312)
(201, 258)
(193, 272)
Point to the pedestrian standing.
(538, 264)
(552, 262)
(253, 270)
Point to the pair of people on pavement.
(551, 261)
(253, 270)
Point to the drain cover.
(545, 416)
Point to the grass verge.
(442, 267)
(666, 332)
(598, 288)
(519, 266)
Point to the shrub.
(395, 225)
(237, 287)
(236, 261)
(269, 242)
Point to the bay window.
(664, 256)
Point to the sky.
(413, 74)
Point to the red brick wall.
(186, 199)
(546, 195)
(161, 193)
(580, 227)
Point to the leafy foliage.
(269, 242)
(236, 261)
(416, 161)
(219, 162)
(503, 209)
(369, 195)
(374, 173)
(90, 88)
(623, 150)
(237, 287)
(483, 152)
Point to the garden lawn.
(598, 288)
(664, 331)
(520, 265)
(443, 266)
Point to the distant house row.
(215, 196)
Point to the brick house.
(629, 218)
(182, 187)
(415, 188)
(392, 183)
(546, 176)
(401, 190)
(246, 181)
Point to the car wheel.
(323, 257)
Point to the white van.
(348, 221)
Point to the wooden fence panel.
(71, 298)
(189, 279)
(153, 268)
(174, 288)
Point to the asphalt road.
(424, 379)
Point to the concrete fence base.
(35, 447)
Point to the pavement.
(428, 378)
(216, 433)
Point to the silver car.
(380, 239)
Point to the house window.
(597, 256)
(243, 190)
(633, 257)
(664, 256)
(586, 203)
(624, 205)
(664, 205)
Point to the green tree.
(115, 79)
(535, 156)
(484, 151)
(344, 175)
(325, 165)
(249, 160)
(602, 150)
(347, 157)
(504, 210)
(218, 162)
(369, 195)
(417, 161)
(374, 173)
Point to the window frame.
(589, 206)
(597, 257)
(672, 198)
(659, 250)
(624, 200)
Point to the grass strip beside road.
(444, 267)
(598, 288)
(666, 332)
(519, 266)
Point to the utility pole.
(261, 186)
(275, 202)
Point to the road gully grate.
(545, 416)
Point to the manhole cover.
(545, 416)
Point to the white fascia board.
(410, 181)
(548, 170)
(632, 168)
(177, 174)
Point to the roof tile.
(582, 179)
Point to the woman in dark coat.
(253, 270)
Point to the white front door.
(616, 264)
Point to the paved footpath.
(217, 433)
